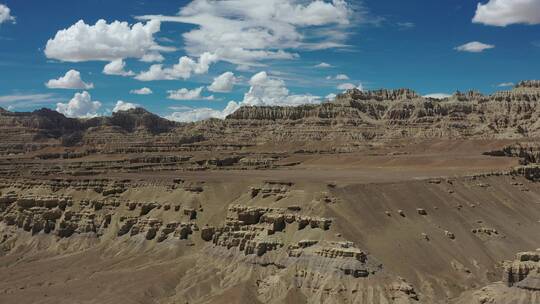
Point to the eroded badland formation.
(377, 197)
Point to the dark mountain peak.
(139, 118)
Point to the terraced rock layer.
(376, 197)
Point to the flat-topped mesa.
(376, 95)
(345, 105)
(529, 84)
(524, 91)
(273, 112)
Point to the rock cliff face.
(376, 197)
(354, 115)
(524, 271)
(354, 118)
(520, 283)
(403, 109)
(384, 115)
(282, 241)
(280, 245)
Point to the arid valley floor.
(376, 197)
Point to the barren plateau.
(377, 197)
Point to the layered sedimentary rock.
(520, 283)
(354, 116)
(64, 217)
(377, 197)
(523, 271)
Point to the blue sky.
(274, 51)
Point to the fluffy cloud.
(331, 96)
(182, 70)
(247, 32)
(323, 65)
(117, 67)
(186, 94)
(124, 106)
(506, 12)
(104, 42)
(264, 91)
(81, 105)
(152, 57)
(223, 83)
(438, 95)
(190, 115)
(269, 91)
(141, 91)
(338, 77)
(349, 86)
(474, 47)
(5, 14)
(71, 80)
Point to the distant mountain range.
(353, 116)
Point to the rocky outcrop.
(64, 217)
(377, 95)
(246, 228)
(529, 84)
(528, 152)
(523, 271)
(253, 231)
(531, 172)
(355, 116)
(272, 189)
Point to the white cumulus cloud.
(474, 47)
(182, 70)
(264, 91)
(187, 94)
(141, 91)
(323, 65)
(349, 86)
(5, 14)
(246, 32)
(71, 80)
(104, 41)
(270, 91)
(338, 77)
(197, 114)
(331, 96)
(152, 57)
(81, 105)
(223, 83)
(124, 106)
(506, 12)
(117, 67)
